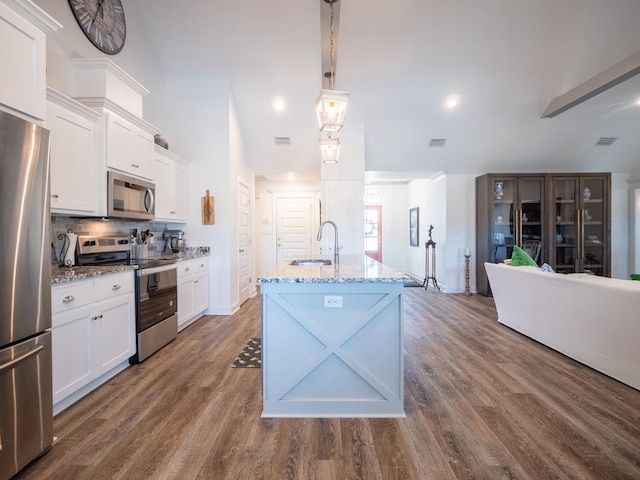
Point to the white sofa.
(594, 320)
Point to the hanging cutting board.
(208, 211)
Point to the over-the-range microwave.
(130, 197)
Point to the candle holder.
(430, 263)
(467, 274)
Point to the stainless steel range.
(156, 290)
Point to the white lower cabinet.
(193, 290)
(93, 334)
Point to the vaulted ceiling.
(399, 60)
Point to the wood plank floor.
(482, 402)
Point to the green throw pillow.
(520, 258)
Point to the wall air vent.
(437, 142)
(283, 140)
(606, 141)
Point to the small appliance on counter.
(175, 240)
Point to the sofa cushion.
(520, 258)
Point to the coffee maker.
(174, 240)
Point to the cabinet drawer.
(72, 295)
(193, 266)
(185, 268)
(201, 264)
(114, 285)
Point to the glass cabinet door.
(503, 215)
(565, 254)
(530, 228)
(581, 225)
(593, 236)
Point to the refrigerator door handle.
(12, 363)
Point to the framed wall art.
(414, 224)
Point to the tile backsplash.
(98, 227)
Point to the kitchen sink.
(310, 263)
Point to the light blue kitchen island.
(332, 340)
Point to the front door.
(373, 232)
(293, 227)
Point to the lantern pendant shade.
(329, 150)
(331, 108)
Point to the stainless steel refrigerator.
(26, 410)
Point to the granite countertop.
(70, 274)
(350, 269)
(188, 254)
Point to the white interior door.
(244, 243)
(293, 227)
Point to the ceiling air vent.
(437, 142)
(606, 141)
(283, 140)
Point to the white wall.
(461, 231)
(265, 223)
(240, 172)
(343, 194)
(137, 58)
(198, 124)
(619, 226)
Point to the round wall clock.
(102, 21)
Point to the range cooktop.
(113, 250)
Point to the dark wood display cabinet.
(562, 220)
(581, 223)
(510, 210)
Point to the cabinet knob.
(186, 269)
(116, 287)
(202, 265)
(55, 195)
(195, 281)
(96, 317)
(68, 299)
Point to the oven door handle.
(151, 270)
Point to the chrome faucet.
(336, 248)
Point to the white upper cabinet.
(23, 35)
(128, 147)
(73, 155)
(171, 186)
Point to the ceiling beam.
(605, 80)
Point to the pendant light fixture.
(329, 149)
(331, 105)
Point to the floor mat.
(250, 356)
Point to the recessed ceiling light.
(291, 176)
(278, 103)
(452, 101)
